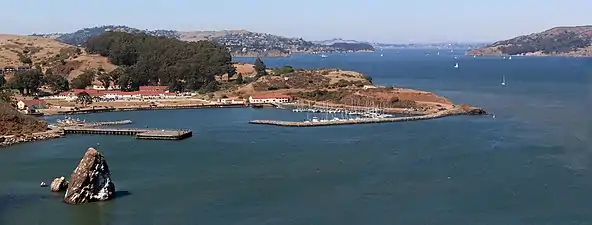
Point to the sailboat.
(510, 58)
(324, 56)
(504, 80)
(456, 66)
(381, 55)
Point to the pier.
(150, 134)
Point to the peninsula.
(559, 41)
(134, 71)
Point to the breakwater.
(366, 120)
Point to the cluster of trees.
(28, 82)
(148, 60)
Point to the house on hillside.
(9, 69)
(22, 68)
(270, 98)
(31, 106)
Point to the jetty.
(364, 120)
(149, 134)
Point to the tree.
(2, 81)
(25, 59)
(83, 98)
(239, 79)
(83, 80)
(7, 96)
(116, 74)
(260, 67)
(27, 81)
(105, 79)
(231, 72)
(56, 82)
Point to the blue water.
(530, 165)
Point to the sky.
(386, 21)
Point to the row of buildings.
(10, 69)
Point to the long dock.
(357, 121)
(151, 134)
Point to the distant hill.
(346, 45)
(338, 40)
(560, 41)
(239, 42)
(46, 53)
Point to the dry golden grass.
(47, 52)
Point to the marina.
(333, 122)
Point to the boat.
(381, 55)
(510, 58)
(324, 56)
(504, 80)
(456, 66)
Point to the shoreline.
(142, 108)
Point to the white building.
(272, 98)
(102, 88)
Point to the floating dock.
(351, 121)
(138, 133)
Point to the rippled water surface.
(530, 165)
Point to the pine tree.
(260, 67)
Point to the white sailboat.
(510, 58)
(324, 56)
(456, 66)
(381, 55)
(504, 80)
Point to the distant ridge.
(559, 41)
(239, 42)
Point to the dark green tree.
(231, 72)
(83, 98)
(260, 67)
(239, 79)
(105, 79)
(83, 80)
(2, 81)
(7, 96)
(56, 82)
(25, 59)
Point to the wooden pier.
(151, 134)
(356, 121)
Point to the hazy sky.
(392, 21)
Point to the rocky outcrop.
(58, 184)
(476, 111)
(91, 180)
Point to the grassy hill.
(48, 53)
(560, 41)
(13, 122)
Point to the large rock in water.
(90, 181)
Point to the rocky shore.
(12, 140)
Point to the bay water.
(531, 164)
